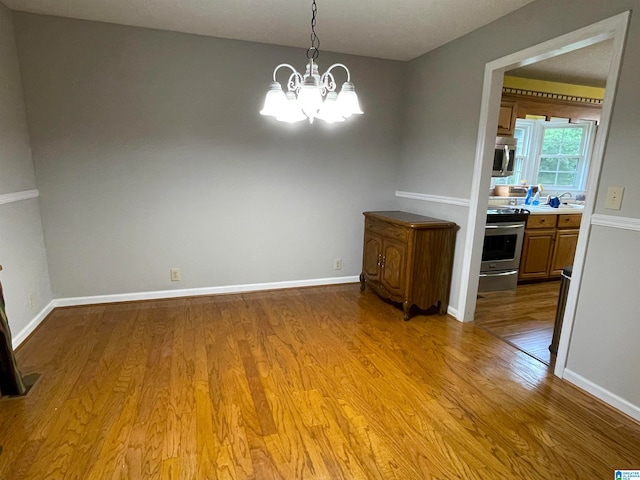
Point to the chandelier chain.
(314, 50)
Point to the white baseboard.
(606, 396)
(453, 312)
(33, 324)
(193, 292)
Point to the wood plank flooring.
(318, 383)
(523, 317)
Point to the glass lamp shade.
(348, 100)
(290, 111)
(330, 111)
(310, 97)
(275, 100)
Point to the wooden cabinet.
(408, 258)
(507, 118)
(537, 249)
(563, 252)
(549, 245)
(542, 105)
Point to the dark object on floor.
(565, 281)
(29, 381)
(10, 379)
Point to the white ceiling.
(391, 29)
(587, 66)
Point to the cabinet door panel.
(507, 118)
(564, 250)
(393, 272)
(372, 255)
(536, 254)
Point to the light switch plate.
(614, 198)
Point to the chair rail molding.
(18, 196)
(612, 221)
(460, 202)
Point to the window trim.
(583, 164)
(532, 147)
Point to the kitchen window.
(555, 154)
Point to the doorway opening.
(555, 107)
(613, 29)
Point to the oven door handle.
(499, 274)
(503, 226)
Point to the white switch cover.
(614, 198)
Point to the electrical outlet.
(175, 274)
(337, 264)
(30, 302)
(614, 198)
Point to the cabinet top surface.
(409, 219)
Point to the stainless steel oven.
(503, 237)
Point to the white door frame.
(612, 28)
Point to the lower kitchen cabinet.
(408, 258)
(537, 250)
(549, 245)
(563, 251)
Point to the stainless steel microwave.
(504, 156)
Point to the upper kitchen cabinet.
(550, 99)
(507, 118)
(548, 106)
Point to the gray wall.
(438, 155)
(150, 154)
(22, 252)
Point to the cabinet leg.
(362, 282)
(406, 306)
(442, 308)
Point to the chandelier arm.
(275, 70)
(339, 65)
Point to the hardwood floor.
(321, 382)
(523, 317)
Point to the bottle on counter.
(527, 200)
(536, 199)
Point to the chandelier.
(311, 95)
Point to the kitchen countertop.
(547, 210)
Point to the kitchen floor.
(523, 317)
